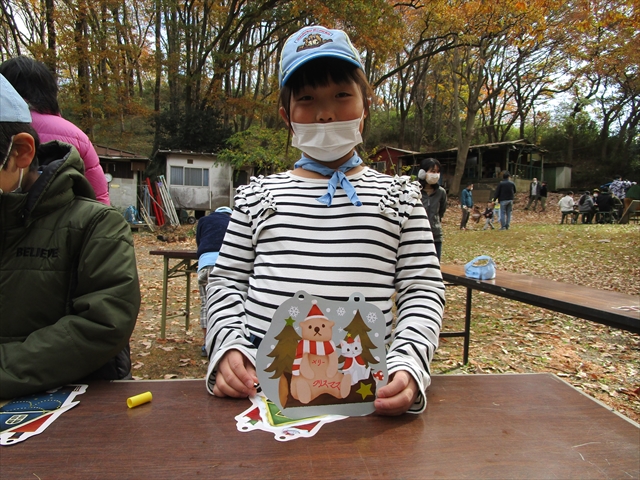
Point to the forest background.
(201, 75)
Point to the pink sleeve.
(94, 173)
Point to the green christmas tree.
(359, 327)
(284, 353)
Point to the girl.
(330, 227)
(434, 199)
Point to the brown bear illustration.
(315, 368)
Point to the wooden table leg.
(188, 309)
(165, 280)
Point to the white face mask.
(432, 178)
(327, 142)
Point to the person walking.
(466, 203)
(505, 193)
(488, 216)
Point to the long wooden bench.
(613, 309)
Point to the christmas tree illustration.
(359, 327)
(284, 352)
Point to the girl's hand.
(397, 396)
(236, 376)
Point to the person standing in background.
(488, 216)
(434, 199)
(543, 196)
(505, 193)
(619, 187)
(37, 86)
(466, 203)
(534, 194)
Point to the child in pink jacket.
(36, 84)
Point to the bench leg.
(467, 328)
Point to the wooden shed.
(124, 171)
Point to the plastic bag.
(482, 268)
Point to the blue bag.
(482, 268)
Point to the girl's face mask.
(432, 178)
(327, 142)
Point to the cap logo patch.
(313, 40)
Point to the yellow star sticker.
(364, 390)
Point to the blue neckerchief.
(337, 177)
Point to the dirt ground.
(507, 336)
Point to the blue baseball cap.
(13, 108)
(315, 42)
(224, 210)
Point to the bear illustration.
(315, 368)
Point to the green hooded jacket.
(69, 291)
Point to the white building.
(196, 182)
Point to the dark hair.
(34, 82)
(428, 163)
(321, 71)
(506, 175)
(8, 130)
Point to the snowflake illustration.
(294, 312)
(341, 311)
(372, 317)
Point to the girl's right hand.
(236, 376)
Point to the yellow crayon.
(139, 399)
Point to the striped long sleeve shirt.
(281, 240)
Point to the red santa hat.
(315, 311)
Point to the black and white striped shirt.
(281, 240)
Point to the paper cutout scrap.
(24, 417)
(266, 416)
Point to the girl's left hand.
(397, 396)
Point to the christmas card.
(322, 357)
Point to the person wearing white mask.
(434, 198)
(69, 291)
(331, 227)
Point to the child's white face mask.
(432, 178)
(327, 142)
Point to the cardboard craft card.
(24, 417)
(323, 357)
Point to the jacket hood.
(61, 180)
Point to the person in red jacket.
(36, 84)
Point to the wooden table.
(185, 267)
(614, 309)
(475, 426)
